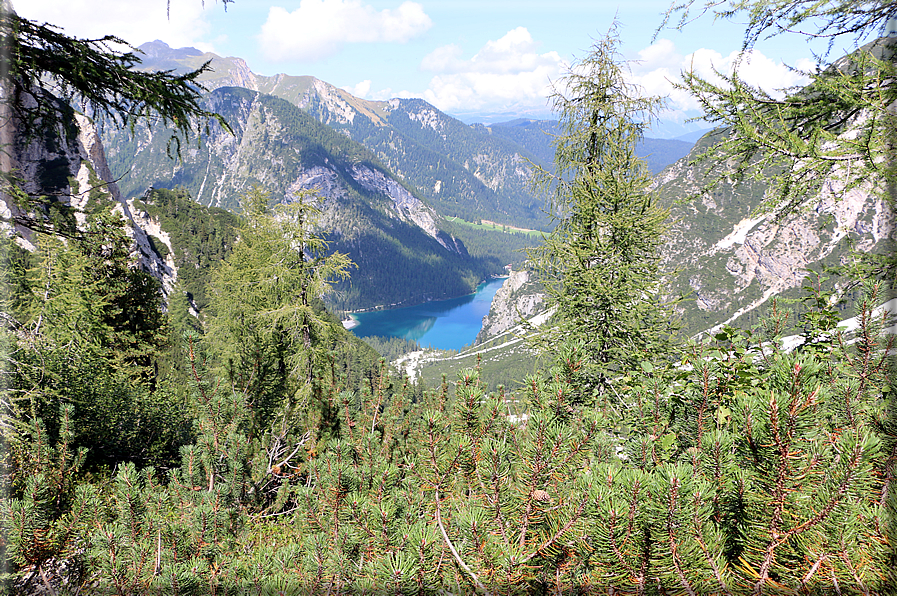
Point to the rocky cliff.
(518, 299)
(64, 170)
(731, 260)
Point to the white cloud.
(135, 22)
(505, 72)
(319, 28)
(660, 65)
(361, 89)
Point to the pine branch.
(559, 533)
(454, 551)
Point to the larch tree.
(267, 321)
(601, 264)
(839, 130)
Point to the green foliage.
(504, 362)
(200, 237)
(391, 348)
(601, 264)
(742, 468)
(88, 330)
(837, 128)
(495, 245)
(268, 332)
(46, 510)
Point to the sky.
(480, 60)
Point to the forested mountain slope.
(460, 171)
(474, 172)
(394, 238)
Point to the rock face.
(68, 166)
(732, 260)
(519, 298)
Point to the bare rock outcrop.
(68, 165)
(519, 298)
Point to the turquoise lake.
(443, 324)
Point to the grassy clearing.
(492, 226)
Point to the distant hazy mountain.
(538, 135)
(693, 137)
(674, 129)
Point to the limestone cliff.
(519, 298)
(67, 166)
(731, 259)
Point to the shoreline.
(399, 305)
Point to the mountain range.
(402, 186)
(396, 180)
(469, 171)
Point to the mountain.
(732, 261)
(520, 296)
(470, 171)
(693, 137)
(461, 171)
(538, 136)
(394, 238)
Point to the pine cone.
(541, 495)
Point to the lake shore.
(442, 324)
(411, 303)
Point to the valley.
(454, 189)
(260, 335)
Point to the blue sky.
(480, 57)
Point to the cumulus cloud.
(506, 72)
(320, 28)
(361, 89)
(659, 66)
(135, 22)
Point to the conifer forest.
(229, 436)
